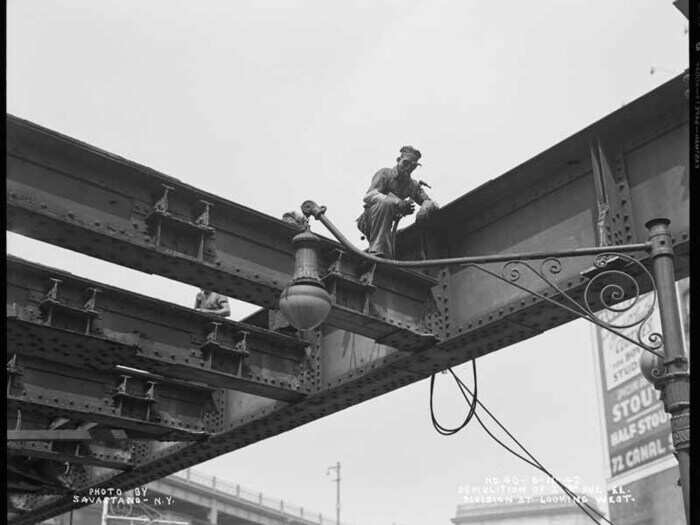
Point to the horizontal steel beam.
(42, 451)
(646, 146)
(39, 481)
(23, 486)
(52, 403)
(56, 435)
(124, 328)
(71, 194)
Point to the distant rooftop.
(499, 507)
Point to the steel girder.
(85, 357)
(71, 194)
(550, 202)
(48, 318)
(547, 203)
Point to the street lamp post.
(671, 375)
(664, 362)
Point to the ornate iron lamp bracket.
(608, 262)
(611, 296)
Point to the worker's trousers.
(376, 223)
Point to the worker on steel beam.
(392, 195)
(212, 303)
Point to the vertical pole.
(336, 467)
(337, 498)
(675, 380)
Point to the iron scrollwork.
(614, 287)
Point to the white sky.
(271, 103)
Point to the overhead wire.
(472, 408)
(532, 461)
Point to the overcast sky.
(270, 103)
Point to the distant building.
(540, 510)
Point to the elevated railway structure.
(191, 498)
(109, 388)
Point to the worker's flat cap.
(410, 150)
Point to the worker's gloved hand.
(406, 207)
(428, 208)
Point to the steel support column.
(213, 514)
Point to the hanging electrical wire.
(472, 408)
(533, 461)
(587, 509)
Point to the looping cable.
(472, 406)
(587, 509)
